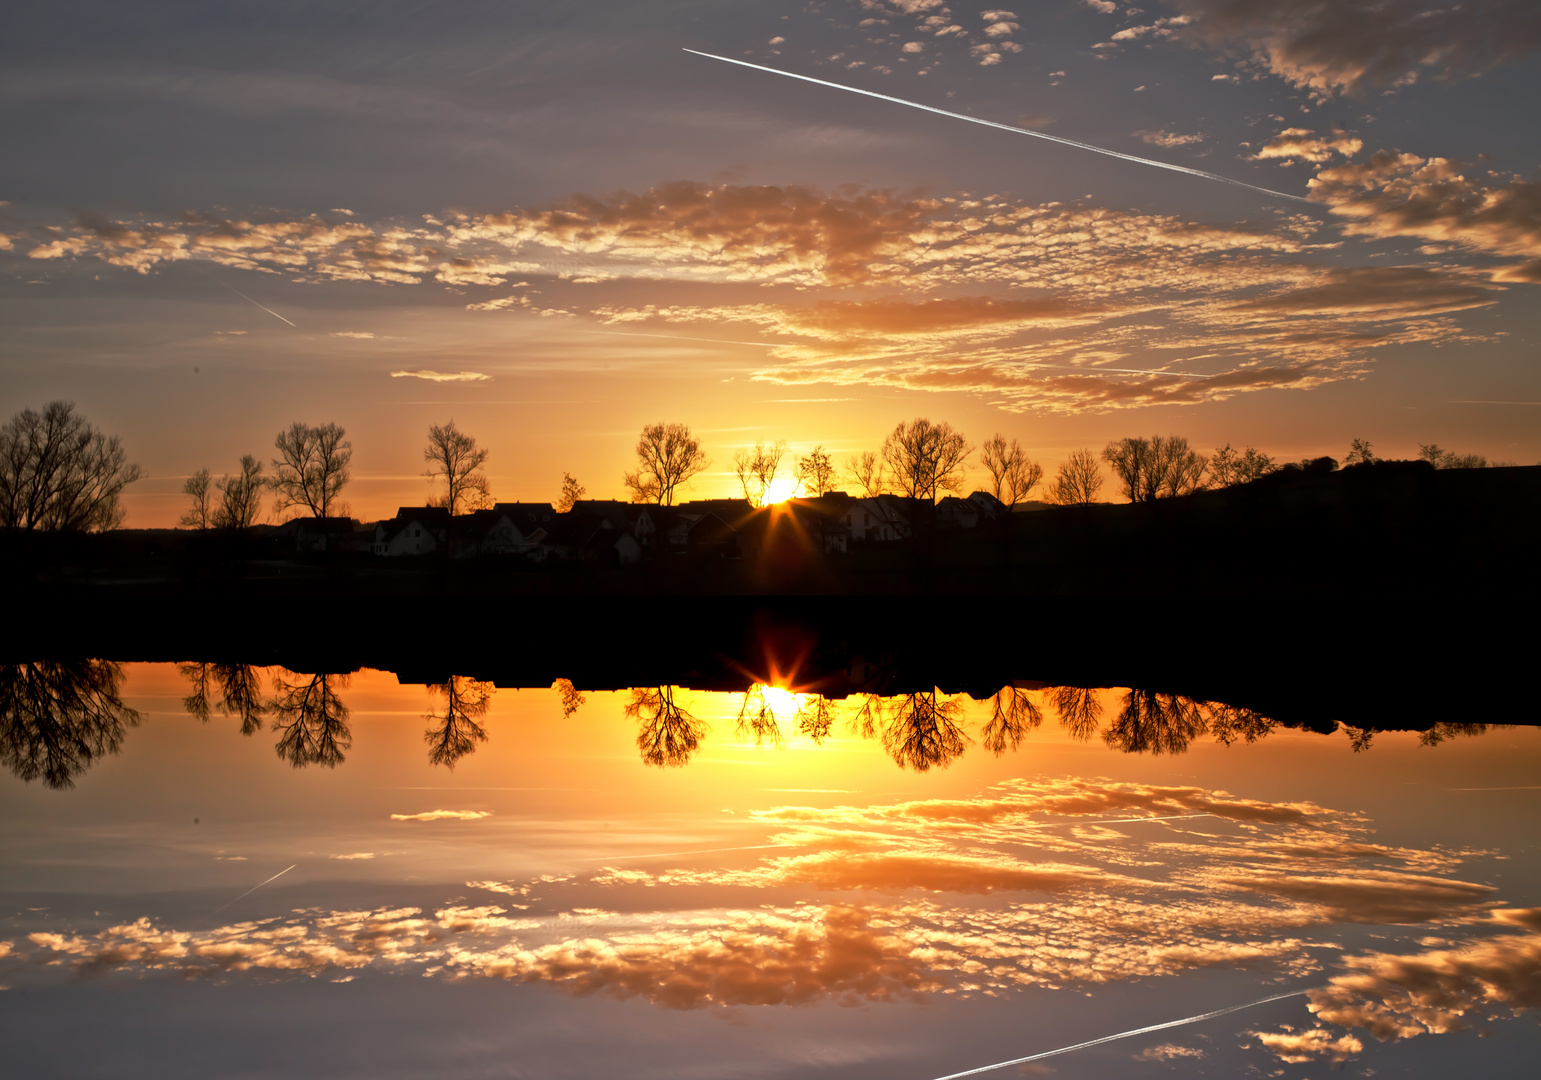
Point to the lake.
(232, 870)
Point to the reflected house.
(415, 530)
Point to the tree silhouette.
(311, 468)
(457, 729)
(816, 472)
(815, 716)
(756, 469)
(240, 496)
(1360, 452)
(756, 719)
(311, 720)
(239, 688)
(571, 699)
(1013, 475)
(58, 473)
(1227, 723)
(1079, 709)
(1155, 468)
(667, 457)
(199, 489)
(57, 718)
(1078, 481)
(1229, 466)
(454, 456)
(919, 730)
(668, 735)
(867, 472)
(572, 491)
(1155, 723)
(1012, 715)
(925, 458)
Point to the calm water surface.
(250, 872)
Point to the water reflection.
(667, 734)
(457, 729)
(57, 718)
(239, 690)
(311, 720)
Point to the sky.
(553, 225)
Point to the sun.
(784, 703)
(780, 490)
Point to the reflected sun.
(784, 703)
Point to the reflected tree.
(1012, 715)
(1227, 723)
(815, 716)
(572, 701)
(756, 719)
(1155, 723)
(56, 719)
(1359, 738)
(311, 720)
(918, 730)
(1079, 709)
(668, 734)
(1450, 729)
(239, 689)
(457, 730)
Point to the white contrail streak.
(255, 887)
(1009, 127)
(1124, 1035)
(249, 300)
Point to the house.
(497, 532)
(415, 530)
(955, 513)
(315, 533)
(879, 518)
(600, 534)
(988, 506)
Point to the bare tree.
(867, 472)
(311, 468)
(667, 457)
(572, 491)
(310, 719)
(458, 729)
(1012, 715)
(199, 488)
(756, 469)
(58, 717)
(926, 458)
(1013, 475)
(240, 502)
(1449, 459)
(1230, 466)
(816, 472)
(1360, 453)
(1079, 480)
(667, 734)
(1155, 468)
(454, 455)
(57, 472)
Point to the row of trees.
(58, 472)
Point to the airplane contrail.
(249, 300)
(259, 884)
(1123, 1035)
(1200, 173)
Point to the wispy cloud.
(442, 376)
(443, 815)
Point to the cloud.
(1364, 896)
(442, 376)
(1400, 996)
(1395, 194)
(1168, 138)
(1296, 1048)
(356, 855)
(1168, 1052)
(443, 815)
(1106, 7)
(1351, 46)
(361, 335)
(1378, 292)
(1306, 145)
